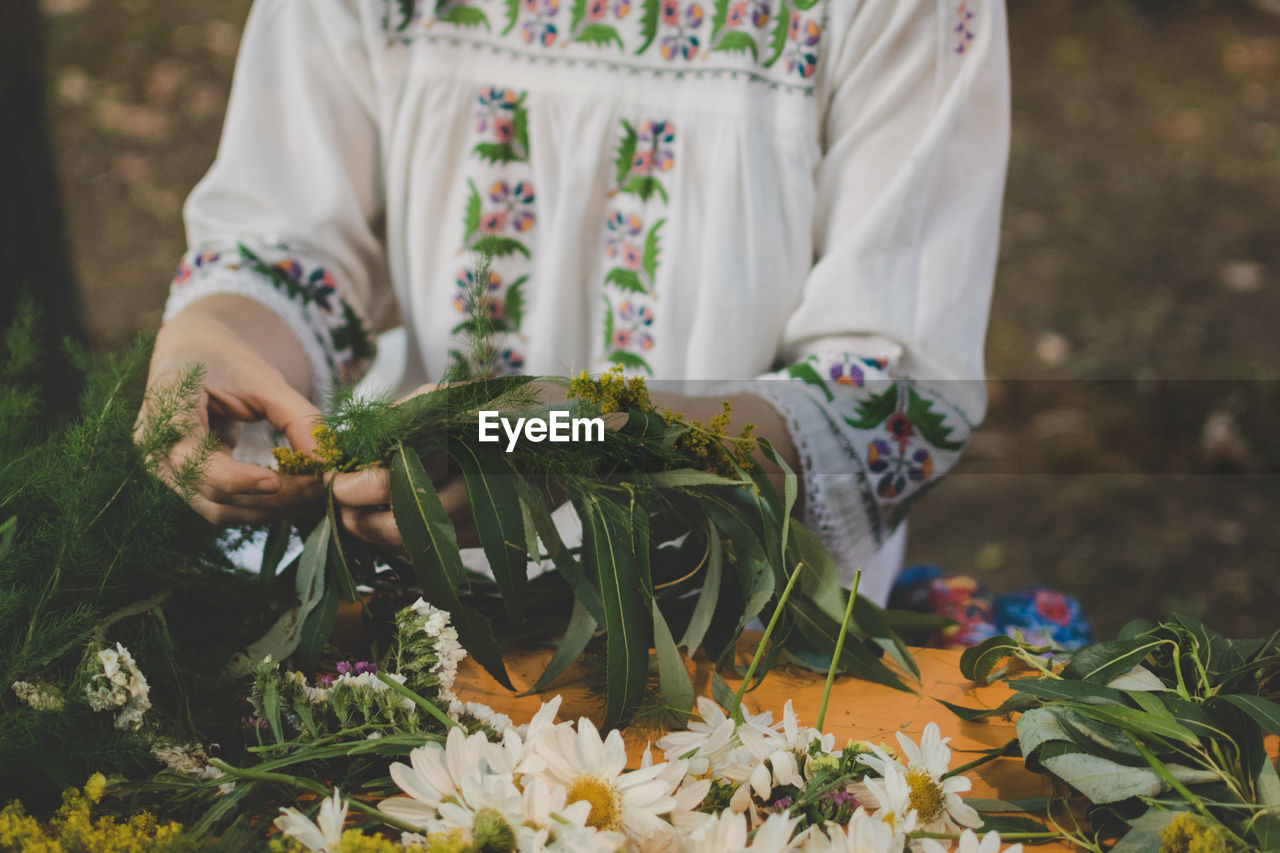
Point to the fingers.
(377, 526)
(370, 487)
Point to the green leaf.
(513, 15)
(513, 303)
(805, 5)
(278, 536)
(987, 806)
(309, 582)
(1049, 689)
(432, 544)
(1134, 628)
(520, 130)
(645, 186)
(673, 678)
(577, 635)
(1136, 721)
(804, 370)
(565, 564)
(317, 628)
(625, 279)
(648, 24)
(495, 510)
(778, 40)
(790, 490)
(1102, 662)
(652, 248)
(686, 478)
(465, 16)
(818, 631)
(599, 34)
(736, 42)
(929, 423)
(471, 219)
(405, 8)
(577, 14)
(719, 14)
(1262, 711)
(627, 645)
(721, 693)
(631, 360)
(978, 662)
(496, 152)
(708, 595)
(499, 247)
(1017, 702)
(626, 147)
(874, 410)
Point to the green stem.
(835, 658)
(1163, 772)
(764, 639)
(431, 709)
(311, 787)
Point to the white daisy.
(892, 796)
(325, 834)
(594, 770)
(436, 773)
(727, 832)
(862, 834)
(935, 800)
(969, 843)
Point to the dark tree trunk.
(34, 257)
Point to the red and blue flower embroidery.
(539, 23)
(681, 22)
(963, 29)
(801, 53)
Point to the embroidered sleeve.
(289, 214)
(884, 350)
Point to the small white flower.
(39, 696)
(935, 800)
(969, 843)
(862, 834)
(125, 688)
(892, 797)
(323, 835)
(436, 773)
(188, 759)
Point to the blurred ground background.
(1132, 455)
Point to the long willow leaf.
(673, 678)
(700, 621)
(565, 564)
(499, 521)
(580, 631)
(627, 643)
(432, 544)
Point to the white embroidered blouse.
(807, 190)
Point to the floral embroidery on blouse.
(633, 241)
(310, 287)
(498, 221)
(677, 32)
(963, 29)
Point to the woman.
(797, 190)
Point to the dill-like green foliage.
(96, 534)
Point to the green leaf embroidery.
(652, 248)
(626, 152)
(599, 34)
(625, 280)
(499, 247)
(513, 15)
(929, 423)
(738, 42)
(718, 17)
(471, 219)
(778, 42)
(513, 303)
(805, 372)
(805, 5)
(579, 12)
(608, 323)
(645, 186)
(874, 410)
(465, 16)
(648, 24)
(406, 14)
(629, 359)
(520, 130)
(496, 152)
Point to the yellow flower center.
(606, 802)
(927, 797)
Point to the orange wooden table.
(858, 709)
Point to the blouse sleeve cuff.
(297, 289)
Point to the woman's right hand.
(254, 369)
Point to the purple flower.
(358, 668)
(681, 21)
(541, 28)
(620, 227)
